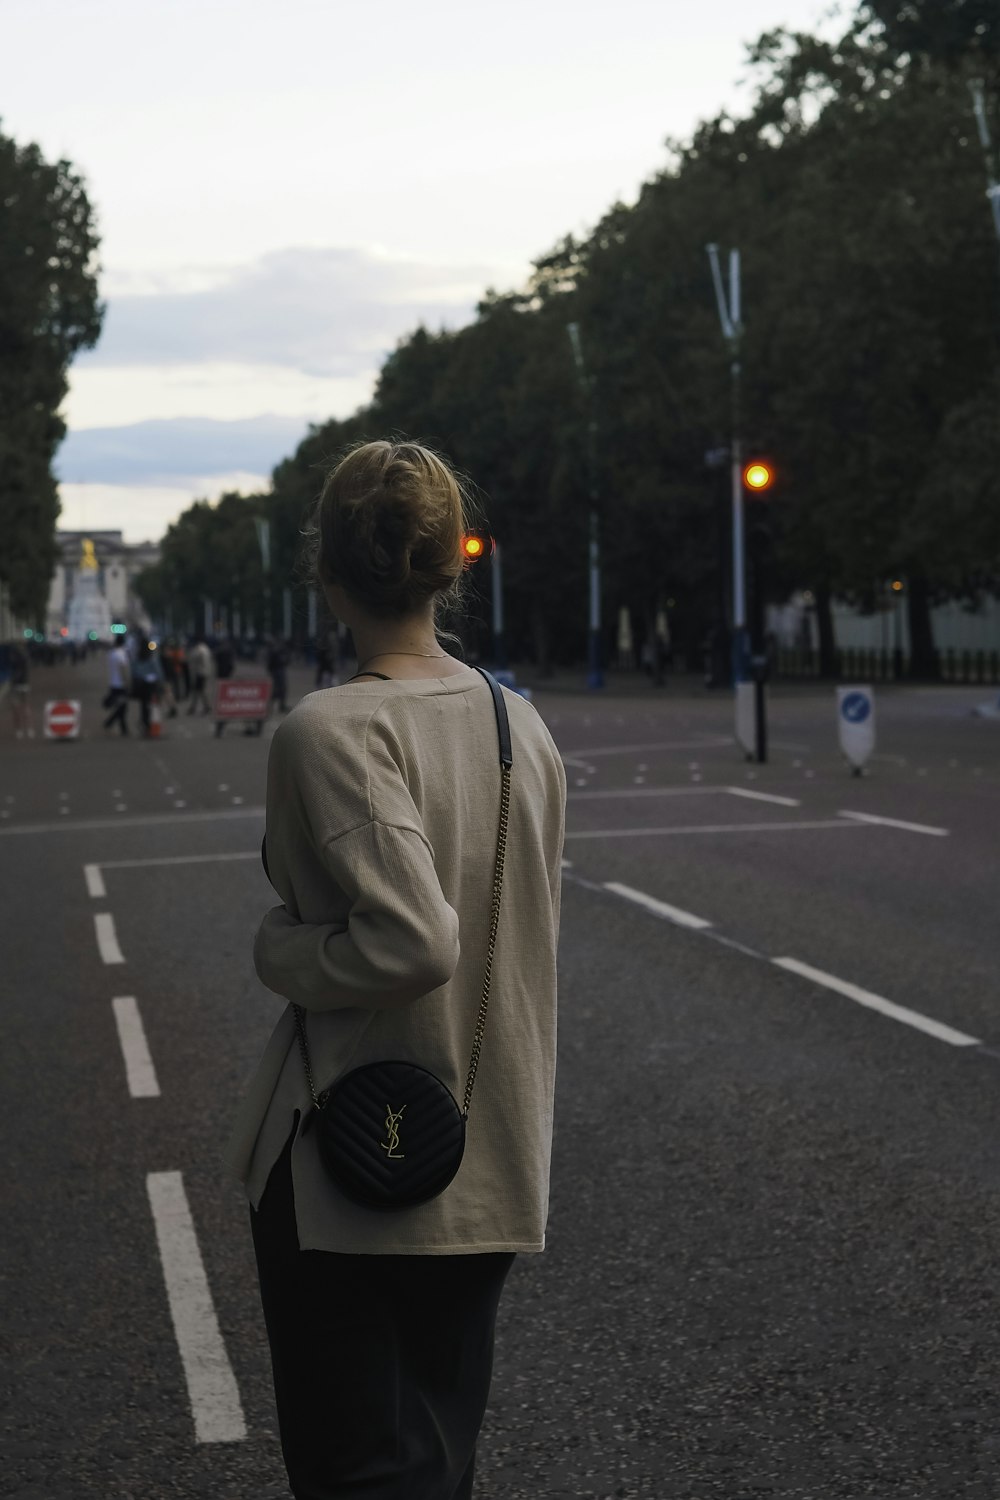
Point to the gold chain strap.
(477, 1041)
(300, 1026)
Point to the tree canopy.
(49, 309)
(854, 187)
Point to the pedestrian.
(225, 658)
(147, 683)
(383, 798)
(661, 651)
(172, 654)
(200, 661)
(119, 687)
(324, 664)
(277, 665)
(20, 692)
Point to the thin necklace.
(429, 655)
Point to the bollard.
(856, 721)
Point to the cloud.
(142, 513)
(325, 312)
(184, 449)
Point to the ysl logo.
(391, 1122)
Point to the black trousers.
(119, 708)
(381, 1363)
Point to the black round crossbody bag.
(390, 1134)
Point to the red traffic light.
(758, 475)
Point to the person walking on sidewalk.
(225, 658)
(20, 692)
(119, 687)
(381, 1324)
(148, 681)
(200, 664)
(277, 664)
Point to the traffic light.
(475, 546)
(758, 475)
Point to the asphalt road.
(771, 1257)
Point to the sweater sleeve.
(401, 939)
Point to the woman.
(20, 689)
(383, 805)
(147, 681)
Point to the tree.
(952, 32)
(48, 311)
(210, 552)
(853, 190)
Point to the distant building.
(117, 561)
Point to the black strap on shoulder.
(503, 723)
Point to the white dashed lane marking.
(867, 998)
(95, 883)
(139, 1068)
(215, 1401)
(742, 791)
(878, 1002)
(660, 908)
(941, 833)
(107, 942)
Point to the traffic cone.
(155, 720)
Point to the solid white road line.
(632, 833)
(661, 909)
(107, 942)
(177, 859)
(95, 884)
(709, 742)
(877, 1002)
(152, 821)
(215, 1401)
(742, 791)
(139, 1069)
(650, 791)
(940, 833)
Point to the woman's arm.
(401, 940)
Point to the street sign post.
(61, 719)
(240, 698)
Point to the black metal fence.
(858, 664)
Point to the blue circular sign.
(856, 707)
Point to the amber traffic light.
(758, 475)
(475, 546)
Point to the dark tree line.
(49, 309)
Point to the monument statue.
(89, 614)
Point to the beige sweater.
(383, 804)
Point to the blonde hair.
(388, 529)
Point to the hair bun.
(388, 529)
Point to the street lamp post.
(595, 676)
(748, 704)
(976, 86)
(499, 641)
(263, 527)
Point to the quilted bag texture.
(390, 1134)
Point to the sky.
(285, 191)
